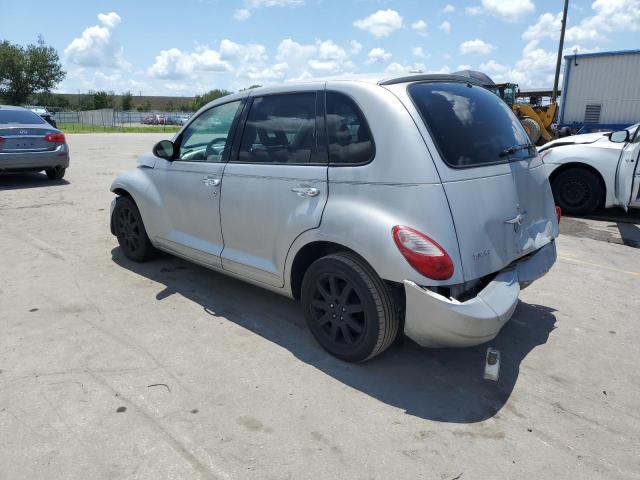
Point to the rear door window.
(280, 129)
(348, 134)
(470, 125)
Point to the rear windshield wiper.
(513, 149)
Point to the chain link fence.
(113, 120)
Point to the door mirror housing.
(164, 149)
(620, 136)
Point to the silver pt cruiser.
(413, 205)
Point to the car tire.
(577, 191)
(532, 128)
(55, 173)
(130, 232)
(348, 308)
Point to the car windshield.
(470, 125)
(19, 117)
(634, 130)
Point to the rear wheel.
(348, 308)
(130, 231)
(55, 173)
(577, 191)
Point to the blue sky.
(191, 46)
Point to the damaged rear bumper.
(433, 320)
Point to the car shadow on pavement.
(443, 385)
(18, 181)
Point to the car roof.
(366, 78)
(13, 107)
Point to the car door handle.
(304, 191)
(210, 181)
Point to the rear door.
(498, 192)
(627, 171)
(275, 184)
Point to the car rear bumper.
(35, 160)
(433, 320)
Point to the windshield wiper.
(513, 149)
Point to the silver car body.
(23, 148)
(253, 221)
(615, 163)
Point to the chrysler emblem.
(518, 219)
(23, 132)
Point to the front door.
(190, 185)
(626, 183)
(275, 184)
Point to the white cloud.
(464, 67)
(290, 50)
(273, 3)
(449, 8)
(378, 55)
(476, 47)
(96, 48)
(509, 10)
(242, 14)
(609, 16)
(324, 57)
(420, 26)
(109, 20)
(548, 25)
(356, 47)
(418, 52)
(493, 67)
(445, 27)
(381, 23)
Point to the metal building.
(601, 90)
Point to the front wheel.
(577, 191)
(130, 231)
(348, 308)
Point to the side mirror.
(164, 149)
(620, 136)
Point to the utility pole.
(554, 96)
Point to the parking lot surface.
(110, 369)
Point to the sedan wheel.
(577, 191)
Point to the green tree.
(202, 100)
(127, 101)
(50, 100)
(86, 101)
(102, 99)
(28, 70)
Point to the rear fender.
(361, 217)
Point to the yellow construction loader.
(535, 119)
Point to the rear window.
(470, 125)
(19, 117)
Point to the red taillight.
(558, 213)
(1, 139)
(54, 137)
(423, 253)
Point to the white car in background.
(594, 170)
